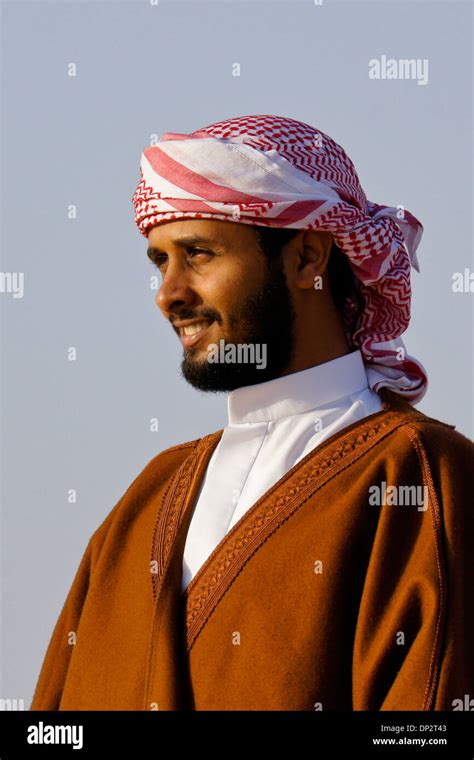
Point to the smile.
(192, 333)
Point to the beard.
(265, 319)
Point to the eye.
(158, 260)
(161, 259)
(196, 251)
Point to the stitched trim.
(433, 674)
(156, 576)
(186, 445)
(171, 510)
(162, 536)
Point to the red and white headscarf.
(275, 171)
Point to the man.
(316, 554)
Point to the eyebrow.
(153, 251)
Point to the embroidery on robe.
(173, 506)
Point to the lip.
(191, 340)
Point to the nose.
(175, 290)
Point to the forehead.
(218, 232)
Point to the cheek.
(226, 287)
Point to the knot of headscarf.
(275, 171)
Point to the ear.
(312, 257)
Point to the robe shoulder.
(440, 437)
(157, 471)
(441, 442)
(441, 449)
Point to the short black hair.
(342, 281)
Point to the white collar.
(298, 392)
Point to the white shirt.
(271, 426)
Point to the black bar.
(317, 735)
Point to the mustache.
(208, 314)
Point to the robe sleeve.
(50, 683)
(414, 641)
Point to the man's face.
(217, 286)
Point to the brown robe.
(316, 599)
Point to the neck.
(320, 345)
